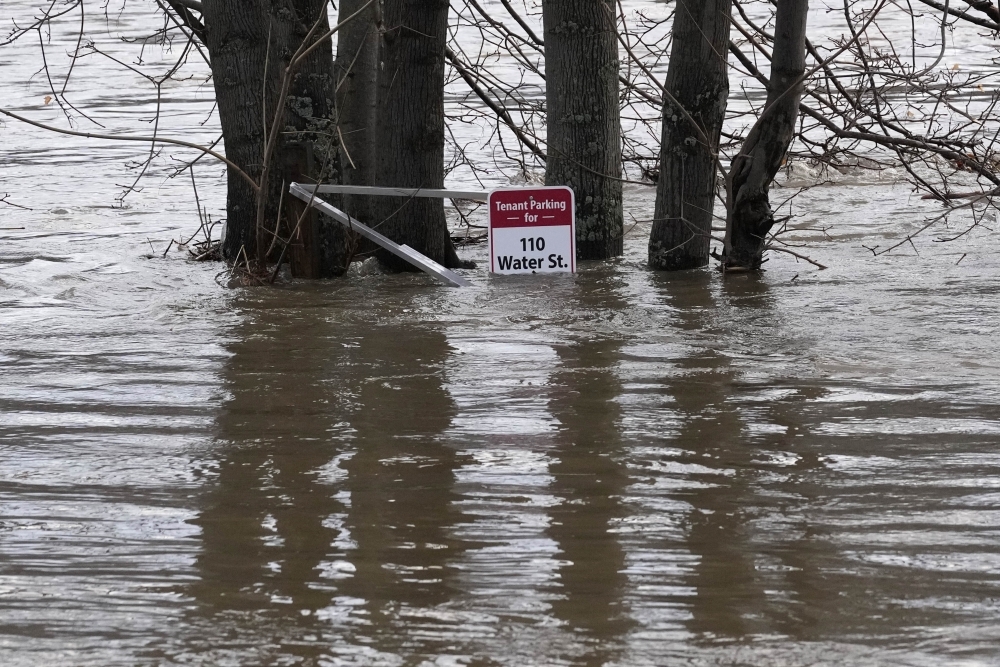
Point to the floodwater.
(618, 467)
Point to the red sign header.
(531, 207)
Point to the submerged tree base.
(748, 239)
(669, 259)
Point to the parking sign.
(532, 230)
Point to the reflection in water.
(614, 468)
(589, 480)
(265, 527)
(728, 602)
(400, 482)
(739, 501)
(333, 494)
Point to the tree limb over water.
(118, 137)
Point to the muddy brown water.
(618, 467)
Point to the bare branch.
(113, 137)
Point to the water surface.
(617, 467)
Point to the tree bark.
(250, 43)
(357, 78)
(236, 36)
(410, 136)
(309, 138)
(698, 80)
(584, 144)
(749, 217)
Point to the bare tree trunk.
(584, 145)
(309, 140)
(250, 43)
(698, 80)
(357, 78)
(410, 124)
(750, 217)
(236, 35)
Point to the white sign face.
(532, 230)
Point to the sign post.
(532, 230)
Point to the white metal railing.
(306, 194)
(395, 192)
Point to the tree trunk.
(250, 43)
(410, 136)
(749, 216)
(357, 78)
(236, 36)
(698, 80)
(581, 96)
(309, 139)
